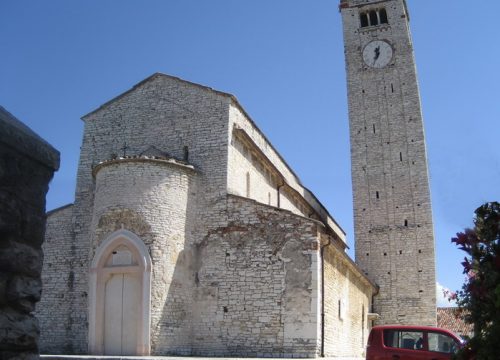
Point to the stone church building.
(190, 234)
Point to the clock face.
(377, 54)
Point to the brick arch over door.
(120, 297)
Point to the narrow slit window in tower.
(377, 195)
(374, 129)
(392, 87)
(400, 156)
(406, 222)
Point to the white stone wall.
(263, 183)
(347, 304)
(166, 113)
(54, 308)
(233, 275)
(392, 205)
(256, 294)
(248, 177)
(156, 204)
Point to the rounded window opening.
(383, 16)
(373, 17)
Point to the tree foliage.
(480, 294)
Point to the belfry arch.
(120, 296)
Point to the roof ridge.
(150, 78)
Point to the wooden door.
(121, 310)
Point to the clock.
(377, 54)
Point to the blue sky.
(284, 61)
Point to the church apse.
(156, 205)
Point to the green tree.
(480, 294)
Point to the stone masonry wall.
(27, 164)
(248, 177)
(256, 289)
(54, 309)
(231, 276)
(158, 205)
(241, 162)
(173, 116)
(348, 296)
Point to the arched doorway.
(120, 292)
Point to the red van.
(398, 342)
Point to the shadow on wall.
(172, 327)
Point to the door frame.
(98, 276)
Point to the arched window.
(373, 18)
(120, 297)
(383, 16)
(364, 19)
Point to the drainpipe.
(322, 253)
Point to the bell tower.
(392, 204)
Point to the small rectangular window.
(342, 309)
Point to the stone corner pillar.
(27, 164)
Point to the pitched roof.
(332, 224)
(453, 319)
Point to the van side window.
(403, 339)
(441, 343)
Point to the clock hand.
(377, 54)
